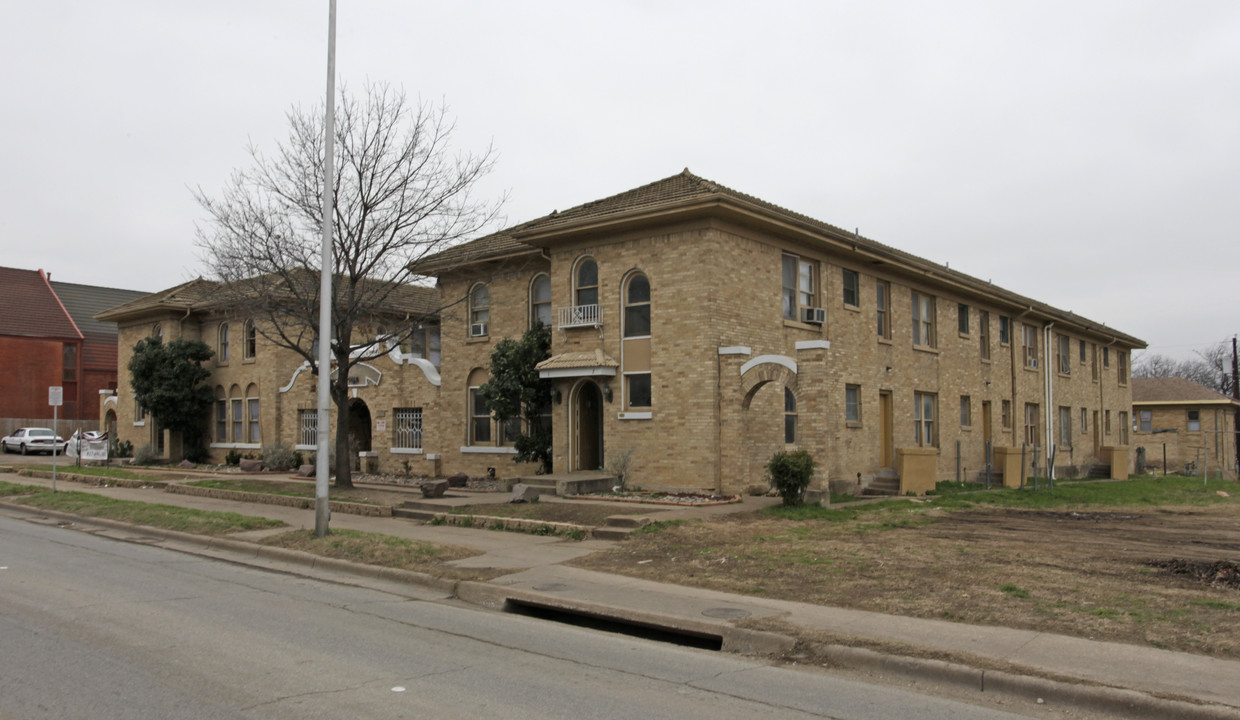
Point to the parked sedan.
(32, 440)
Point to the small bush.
(121, 448)
(232, 457)
(279, 456)
(790, 474)
(145, 455)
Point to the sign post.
(55, 398)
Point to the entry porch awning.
(589, 363)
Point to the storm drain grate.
(620, 626)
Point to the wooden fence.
(64, 429)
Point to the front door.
(886, 454)
(589, 428)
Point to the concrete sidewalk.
(1126, 680)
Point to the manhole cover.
(550, 587)
(725, 613)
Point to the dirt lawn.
(1099, 575)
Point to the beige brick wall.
(717, 285)
(1211, 448)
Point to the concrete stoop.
(619, 527)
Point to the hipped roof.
(686, 196)
(1176, 391)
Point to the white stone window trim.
(406, 451)
(304, 447)
(735, 350)
(487, 450)
(240, 446)
(776, 359)
(635, 415)
(813, 345)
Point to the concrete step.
(883, 486)
(413, 513)
(611, 533)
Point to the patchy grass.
(1079, 558)
(590, 515)
(293, 488)
(94, 471)
(378, 549)
(167, 517)
(8, 488)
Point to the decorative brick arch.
(775, 369)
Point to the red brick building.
(48, 338)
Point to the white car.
(33, 440)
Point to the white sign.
(55, 396)
(94, 446)
(380, 426)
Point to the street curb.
(1100, 698)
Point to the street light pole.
(322, 507)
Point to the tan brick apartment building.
(703, 329)
(1188, 425)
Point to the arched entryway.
(587, 427)
(359, 427)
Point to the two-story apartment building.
(701, 330)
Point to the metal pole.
(55, 431)
(322, 507)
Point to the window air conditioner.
(1033, 363)
(818, 316)
(478, 330)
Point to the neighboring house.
(1186, 424)
(49, 338)
(40, 347)
(97, 361)
(703, 329)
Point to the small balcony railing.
(580, 316)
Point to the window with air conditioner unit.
(478, 330)
(814, 315)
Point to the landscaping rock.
(306, 471)
(251, 465)
(458, 480)
(434, 488)
(524, 493)
(186, 464)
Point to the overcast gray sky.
(1085, 153)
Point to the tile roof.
(193, 295)
(85, 301)
(686, 190)
(577, 360)
(29, 307)
(1175, 390)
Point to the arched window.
(586, 283)
(637, 307)
(252, 426)
(479, 310)
(221, 353)
(540, 301)
(157, 332)
(249, 343)
(221, 415)
(790, 417)
(636, 347)
(237, 407)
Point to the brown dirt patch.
(1088, 574)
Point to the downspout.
(718, 423)
(1048, 385)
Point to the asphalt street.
(91, 628)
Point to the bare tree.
(1211, 367)
(400, 196)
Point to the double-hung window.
(852, 288)
(1146, 420)
(1029, 345)
(882, 305)
(983, 332)
(1063, 353)
(962, 318)
(852, 405)
(923, 320)
(924, 412)
(799, 293)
